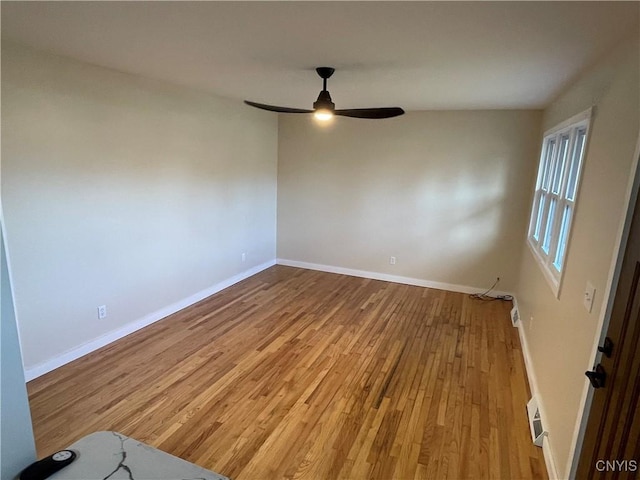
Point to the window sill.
(552, 280)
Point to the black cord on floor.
(489, 298)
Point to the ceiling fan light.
(323, 114)
(323, 107)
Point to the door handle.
(597, 376)
(607, 347)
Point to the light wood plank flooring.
(300, 374)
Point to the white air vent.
(515, 316)
(535, 423)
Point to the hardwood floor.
(300, 374)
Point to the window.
(555, 197)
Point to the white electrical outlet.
(102, 311)
(392, 260)
(244, 257)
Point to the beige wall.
(447, 193)
(123, 191)
(136, 194)
(560, 333)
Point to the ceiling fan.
(324, 108)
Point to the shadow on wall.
(447, 193)
(469, 220)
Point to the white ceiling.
(416, 55)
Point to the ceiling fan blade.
(386, 112)
(273, 108)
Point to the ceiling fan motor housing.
(324, 102)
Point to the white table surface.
(113, 456)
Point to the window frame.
(560, 145)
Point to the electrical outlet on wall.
(244, 256)
(392, 260)
(102, 312)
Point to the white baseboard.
(387, 277)
(84, 349)
(549, 459)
